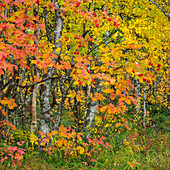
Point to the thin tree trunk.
(144, 107)
(22, 100)
(91, 109)
(45, 105)
(138, 94)
(33, 126)
(57, 36)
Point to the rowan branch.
(32, 84)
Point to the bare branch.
(32, 84)
(161, 9)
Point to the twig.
(161, 9)
(32, 84)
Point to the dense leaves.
(71, 72)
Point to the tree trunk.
(33, 126)
(46, 86)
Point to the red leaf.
(21, 152)
(127, 127)
(13, 163)
(19, 144)
(18, 157)
(11, 155)
(103, 138)
(93, 160)
(2, 160)
(19, 162)
(101, 142)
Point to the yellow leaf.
(107, 125)
(81, 149)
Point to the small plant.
(12, 154)
(71, 145)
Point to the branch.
(9, 81)
(161, 9)
(104, 41)
(32, 84)
(21, 94)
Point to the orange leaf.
(93, 160)
(88, 154)
(4, 113)
(42, 133)
(118, 124)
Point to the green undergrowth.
(138, 148)
(135, 149)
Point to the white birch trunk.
(45, 88)
(144, 108)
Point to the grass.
(127, 153)
(138, 148)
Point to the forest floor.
(137, 148)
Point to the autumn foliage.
(71, 70)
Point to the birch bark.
(46, 86)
